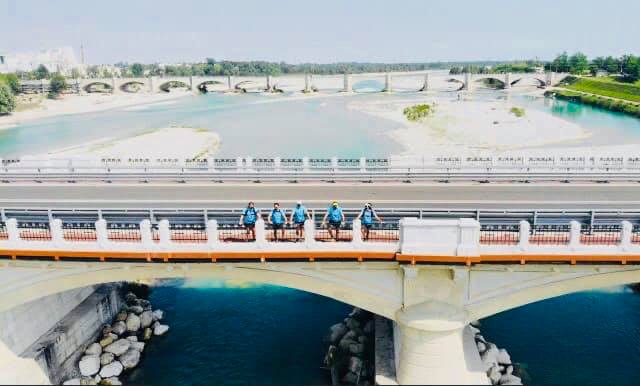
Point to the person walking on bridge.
(336, 218)
(298, 216)
(248, 219)
(277, 219)
(367, 215)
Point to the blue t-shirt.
(335, 214)
(277, 216)
(299, 214)
(250, 216)
(367, 216)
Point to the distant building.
(601, 73)
(61, 60)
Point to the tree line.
(627, 66)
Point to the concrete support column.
(42, 86)
(525, 231)
(307, 83)
(230, 82)
(102, 234)
(152, 84)
(269, 84)
(387, 83)
(425, 87)
(164, 233)
(348, 87)
(212, 233)
(145, 234)
(192, 84)
(507, 80)
(574, 238)
(431, 348)
(549, 79)
(467, 82)
(13, 232)
(114, 88)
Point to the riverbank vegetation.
(626, 67)
(597, 101)
(604, 86)
(9, 87)
(517, 111)
(417, 112)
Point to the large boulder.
(352, 324)
(146, 318)
(106, 358)
(356, 348)
(88, 381)
(89, 365)
(337, 332)
(139, 346)
(490, 357)
(132, 338)
(130, 359)
(158, 315)
(107, 341)
(113, 381)
(119, 327)
(369, 327)
(130, 298)
(160, 329)
(355, 365)
(117, 348)
(93, 349)
(494, 374)
(133, 322)
(72, 382)
(473, 330)
(146, 335)
(122, 316)
(113, 369)
(510, 379)
(503, 357)
(136, 310)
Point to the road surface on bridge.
(406, 195)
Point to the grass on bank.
(606, 86)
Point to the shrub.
(517, 111)
(7, 99)
(417, 112)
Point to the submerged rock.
(94, 349)
(89, 365)
(130, 359)
(160, 329)
(113, 369)
(118, 348)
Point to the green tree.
(41, 72)
(578, 63)
(12, 81)
(57, 85)
(137, 70)
(7, 99)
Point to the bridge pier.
(230, 83)
(307, 83)
(467, 82)
(348, 86)
(387, 83)
(425, 86)
(269, 87)
(549, 79)
(507, 81)
(432, 347)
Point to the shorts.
(277, 226)
(367, 226)
(335, 225)
(249, 225)
(299, 224)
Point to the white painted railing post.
(363, 164)
(164, 233)
(469, 237)
(239, 164)
(334, 164)
(305, 164)
(625, 235)
(145, 234)
(211, 165)
(276, 164)
(309, 232)
(13, 233)
(261, 232)
(574, 235)
(102, 234)
(525, 231)
(57, 233)
(357, 232)
(212, 233)
(248, 162)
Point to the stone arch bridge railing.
(410, 81)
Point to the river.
(241, 335)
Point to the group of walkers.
(333, 219)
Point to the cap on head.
(334, 203)
(298, 202)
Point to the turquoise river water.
(269, 335)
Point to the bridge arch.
(215, 85)
(91, 87)
(490, 81)
(372, 290)
(529, 81)
(549, 286)
(168, 84)
(368, 85)
(249, 85)
(133, 86)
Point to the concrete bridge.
(431, 276)
(403, 82)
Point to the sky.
(323, 31)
